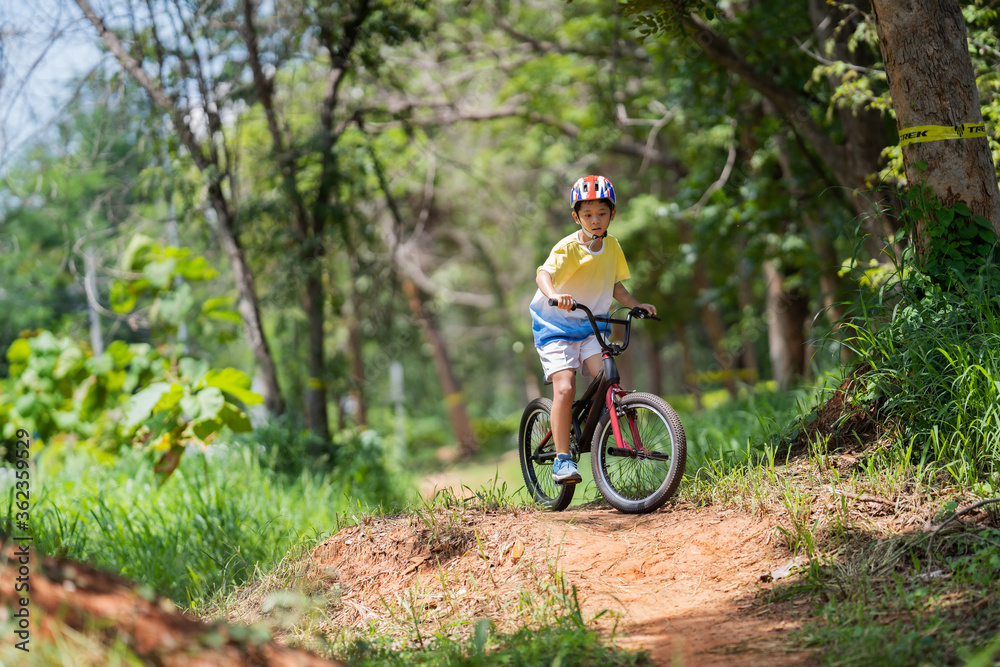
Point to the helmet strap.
(594, 238)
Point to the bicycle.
(638, 466)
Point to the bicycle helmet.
(592, 188)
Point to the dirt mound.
(74, 607)
(680, 583)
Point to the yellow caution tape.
(921, 133)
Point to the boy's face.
(594, 217)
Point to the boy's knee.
(563, 387)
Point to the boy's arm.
(625, 298)
(544, 281)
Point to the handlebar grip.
(554, 302)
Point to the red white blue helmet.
(592, 188)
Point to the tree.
(932, 82)
(186, 86)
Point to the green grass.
(569, 641)
(210, 526)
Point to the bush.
(929, 367)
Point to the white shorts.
(560, 355)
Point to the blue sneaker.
(564, 470)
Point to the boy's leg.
(593, 365)
(563, 394)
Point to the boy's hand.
(565, 301)
(648, 307)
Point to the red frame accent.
(615, 426)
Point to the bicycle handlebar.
(614, 348)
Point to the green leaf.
(139, 244)
(170, 399)
(945, 216)
(193, 370)
(139, 407)
(203, 429)
(196, 269)
(982, 222)
(19, 351)
(962, 209)
(235, 383)
(160, 273)
(211, 401)
(70, 361)
(122, 297)
(221, 309)
(235, 419)
(173, 307)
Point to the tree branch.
(156, 92)
(785, 100)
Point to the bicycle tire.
(536, 422)
(641, 477)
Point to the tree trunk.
(317, 419)
(453, 398)
(786, 316)
(355, 349)
(748, 337)
(925, 48)
(247, 304)
(712, 321)
(822, 243)
(687, 361)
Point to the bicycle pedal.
(568, 481)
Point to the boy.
(587, 266)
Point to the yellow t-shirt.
(590, 277)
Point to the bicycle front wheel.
(537, 451)
(641, 474)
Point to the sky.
(46, 45)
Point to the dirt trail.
(682, 579)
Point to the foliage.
(667, 17)
(162, 276)
(954, 243)
(187, 405)
(954, 591)
(929, 365)
(60, 389)
(131, 392)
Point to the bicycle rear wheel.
(640, 476)
(537, 451)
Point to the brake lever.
(644, 315)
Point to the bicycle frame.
(602, 393)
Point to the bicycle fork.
(622, 448)
(612, 401)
